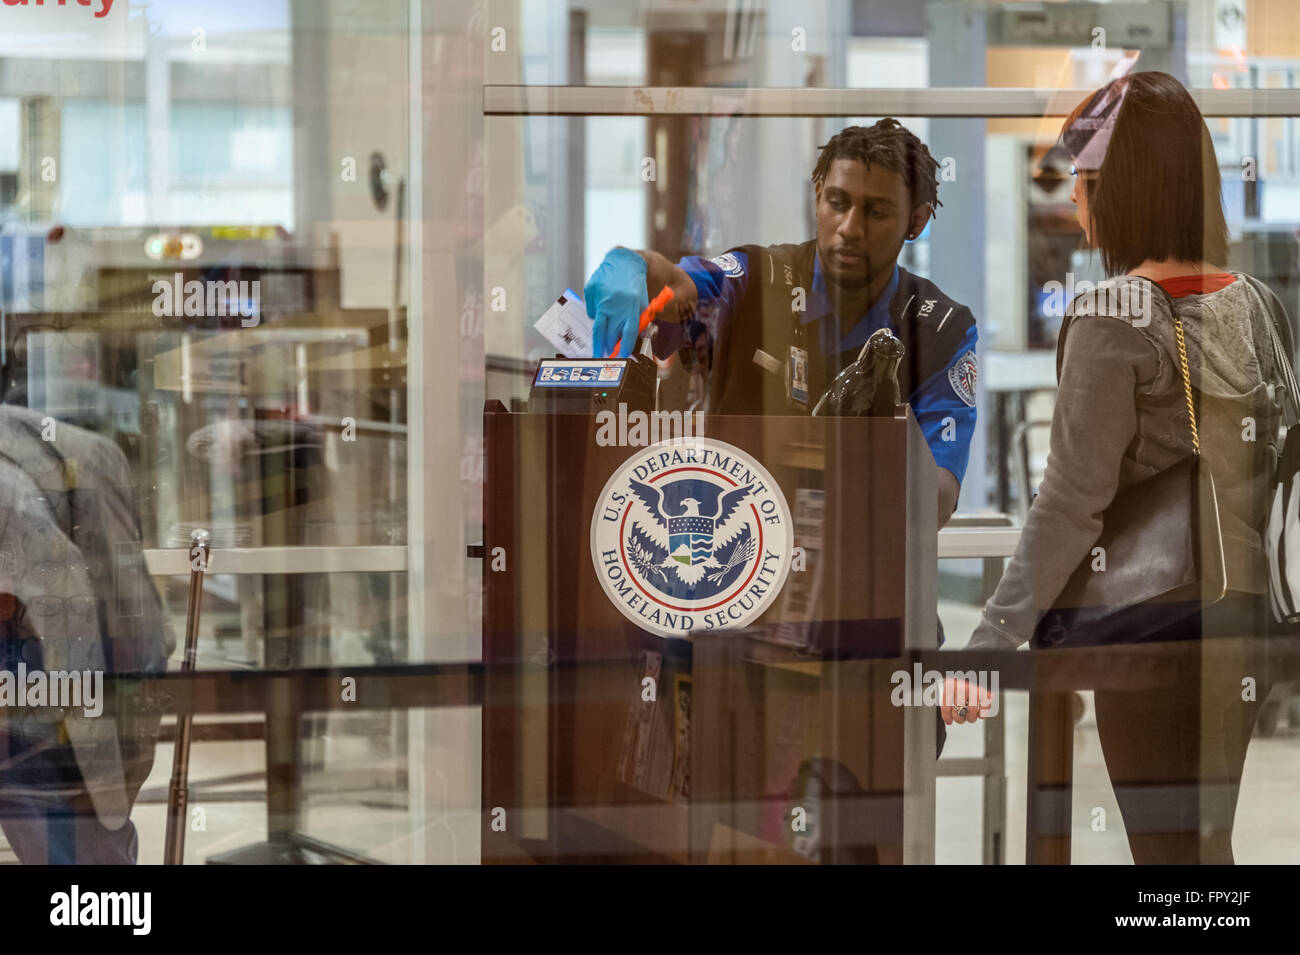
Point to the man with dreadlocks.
(801, 312)
(805, 310)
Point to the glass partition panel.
(467, 431)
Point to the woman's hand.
(964, 701)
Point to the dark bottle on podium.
(869, 386)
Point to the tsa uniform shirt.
(942, 396)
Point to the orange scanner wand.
(654, 308)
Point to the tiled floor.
(1267, 828)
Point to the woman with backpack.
(1149, 525)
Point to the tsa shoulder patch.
(729, 264)
(962, 376)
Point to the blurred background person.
(75, 596)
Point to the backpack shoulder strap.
(1280, 336)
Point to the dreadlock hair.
(895, 147)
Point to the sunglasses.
(82, 339)
(49, 605)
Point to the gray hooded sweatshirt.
(1121, 417)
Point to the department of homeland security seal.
(729, 264)
(962, 377)
(691, 536)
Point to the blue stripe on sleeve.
(946, 421)
(725, 287)
(722, 287)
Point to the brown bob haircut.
(1158, 194)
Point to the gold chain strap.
(1187, 382)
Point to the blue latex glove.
(615, 297)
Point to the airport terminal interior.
(294, 269)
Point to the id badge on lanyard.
(796, 366)
(797, 376)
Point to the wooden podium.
(575, 757)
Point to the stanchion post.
(178, 792)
